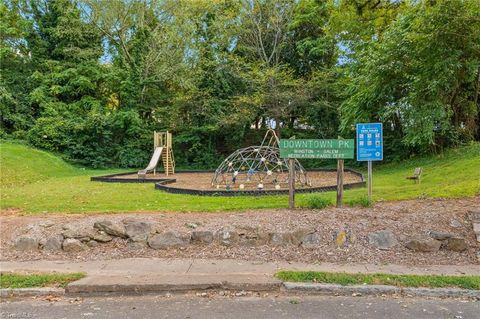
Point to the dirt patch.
(10, 212)
(404, 218)
(203, 180)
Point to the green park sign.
(327, 149)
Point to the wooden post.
(167, 153)
(340, 164)
(291, 183)
(155, 145)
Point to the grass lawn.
(344, 279)
(35, 181)
(12, 280)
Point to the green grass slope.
(22, 165)
(454, 173)
(35, 181)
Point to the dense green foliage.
(318, 202)
(35, 181)
(345, 279)
(92, 79)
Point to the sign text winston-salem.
(327, 149)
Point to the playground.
(253, 170)
(201, 180)
(233, 159)
(51, 197)
(48, 185)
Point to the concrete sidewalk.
(143, 275)
(160, 266)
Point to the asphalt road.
(317, 307)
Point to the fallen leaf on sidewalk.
(53, 298)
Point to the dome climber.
(258, 167)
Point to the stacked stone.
(140, 233)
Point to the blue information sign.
(369, 142)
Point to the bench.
(417, 174)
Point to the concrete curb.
(291, 288)
(374, 290)
(114, 285)
(29, 292)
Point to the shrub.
(318, 202)
(361, 201)
(96, 139)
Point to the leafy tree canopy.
(93, 78)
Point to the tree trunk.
(277, 126)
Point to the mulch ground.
(203, 180)
(404, 218)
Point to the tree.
(65, 51)
(310, 46)
(202, 113)
(147, 42)
(312, 52)
(273, 91)
(93, 78)
(16, 115)
(421, 78)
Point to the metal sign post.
(369, 147)
(370, 180)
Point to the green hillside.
(23, 165)
(36, 181)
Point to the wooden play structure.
(162, 148)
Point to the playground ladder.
(164, 139)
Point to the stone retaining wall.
(140, 233)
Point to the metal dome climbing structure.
(258, 167)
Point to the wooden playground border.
(163, 185)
